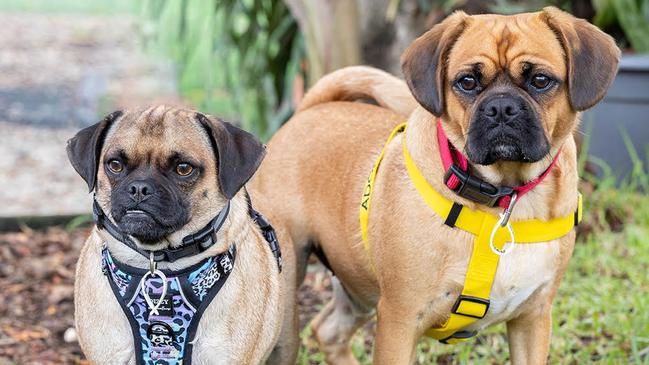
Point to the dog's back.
(327, 144)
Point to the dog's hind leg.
(336, 323)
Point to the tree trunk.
(331, 34)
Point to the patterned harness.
(164, 334)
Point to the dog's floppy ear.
(238, 153)
(592, 57)
(424, 62)
(84, 149)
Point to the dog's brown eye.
(468, 83)
(540, 81)
(184, 169)
(115, 166)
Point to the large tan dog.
(508, 90)
(160, 175)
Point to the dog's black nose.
(140, 190)
(501, 108)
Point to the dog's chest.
(528, 269)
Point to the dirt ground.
(36, 286)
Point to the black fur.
(166, 207)
(84, 149)
(238, 154)
(505, 127)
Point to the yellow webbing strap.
(473, 302)
(367, 192)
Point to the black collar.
(192, 244)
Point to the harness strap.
(270, 236)
(367, 192)
(167, 337)
(266, 230)
(473, 303)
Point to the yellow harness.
(473, 303)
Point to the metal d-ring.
(508, 245)
(504, 222)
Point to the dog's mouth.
(144, 226)
(505, 151)
(136, 212)
(505, 144)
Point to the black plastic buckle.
(467, 298)
(476, 189)
(271, 237)
(460, 335)
(175, 254)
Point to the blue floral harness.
(164, 307)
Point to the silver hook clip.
(153, 271)
(153, 266)
(508, 211)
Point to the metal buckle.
(476, 189)
(471, 299)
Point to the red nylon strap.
(448, 154)
(447, 157)
(521, 190)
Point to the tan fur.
(255, 310)
(356, 82)
(318, 164)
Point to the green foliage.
(237, 59)
(631, 15)
(79, 221)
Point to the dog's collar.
(192, 244)
(459, 180)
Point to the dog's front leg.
(396, 335)
(529, 336)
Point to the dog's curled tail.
(361, 82)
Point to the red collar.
(458, 179)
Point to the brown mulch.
(36, 296)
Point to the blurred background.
(64, 64)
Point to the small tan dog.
(506, 91)
(179, 269)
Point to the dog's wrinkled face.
(509, 87)
(163, 170)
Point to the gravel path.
(60, 73)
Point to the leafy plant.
(236, 58)
(631, 15)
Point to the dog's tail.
(361, 82)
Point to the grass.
(92, 7)
(601, 313)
